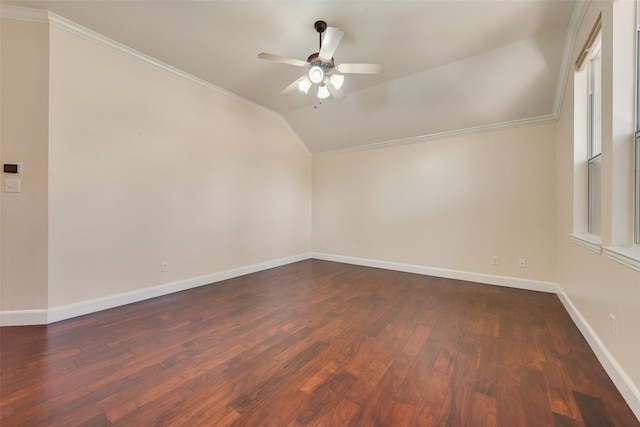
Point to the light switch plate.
(11, 185)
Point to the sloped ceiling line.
(24, 14)
(565, 67)
(46, 17)
(443, 135)
(563, 79)
(39, 15)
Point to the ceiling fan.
(322, 71)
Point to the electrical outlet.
(522, 263)
(495, 260)
(613, 325)
(164, 267)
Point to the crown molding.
(24, 14)
(57, 21)
(42, 16)
(563, 78)
(441, 135)
(90, 35)
(567, 58)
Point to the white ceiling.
(450, 65)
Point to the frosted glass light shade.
(336, 80)
(304, 85)
(316, 74)
(323, 92)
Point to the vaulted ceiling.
(450, 65)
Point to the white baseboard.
(56, 314)
(510, 282)
(23, 317)
(623, 383)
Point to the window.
(587, 143)
(594, 140)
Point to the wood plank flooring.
(313, 343)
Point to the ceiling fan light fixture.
(323, 91)
(321, 68)
(305, 85)
(316, 74)
(336, 80)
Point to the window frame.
(636, 210)
(594, 133)
(637, 189)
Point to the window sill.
(593, 243)
(629, 256)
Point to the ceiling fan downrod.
(320, 26)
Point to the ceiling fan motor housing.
(314, 59)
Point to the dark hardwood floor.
(313, 343)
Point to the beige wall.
(595, 284)
(144, 167)
(23, 138)
(451, 203)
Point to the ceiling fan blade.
(293, 86)
(336, 93)
(360, 68)
(330, 41)
(282, 59)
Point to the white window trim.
(636, 213)
(637, 172)
(591, 163)
(580, 235)
(630, 256)
(625, 256)
(594, 50)
(587, 241)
